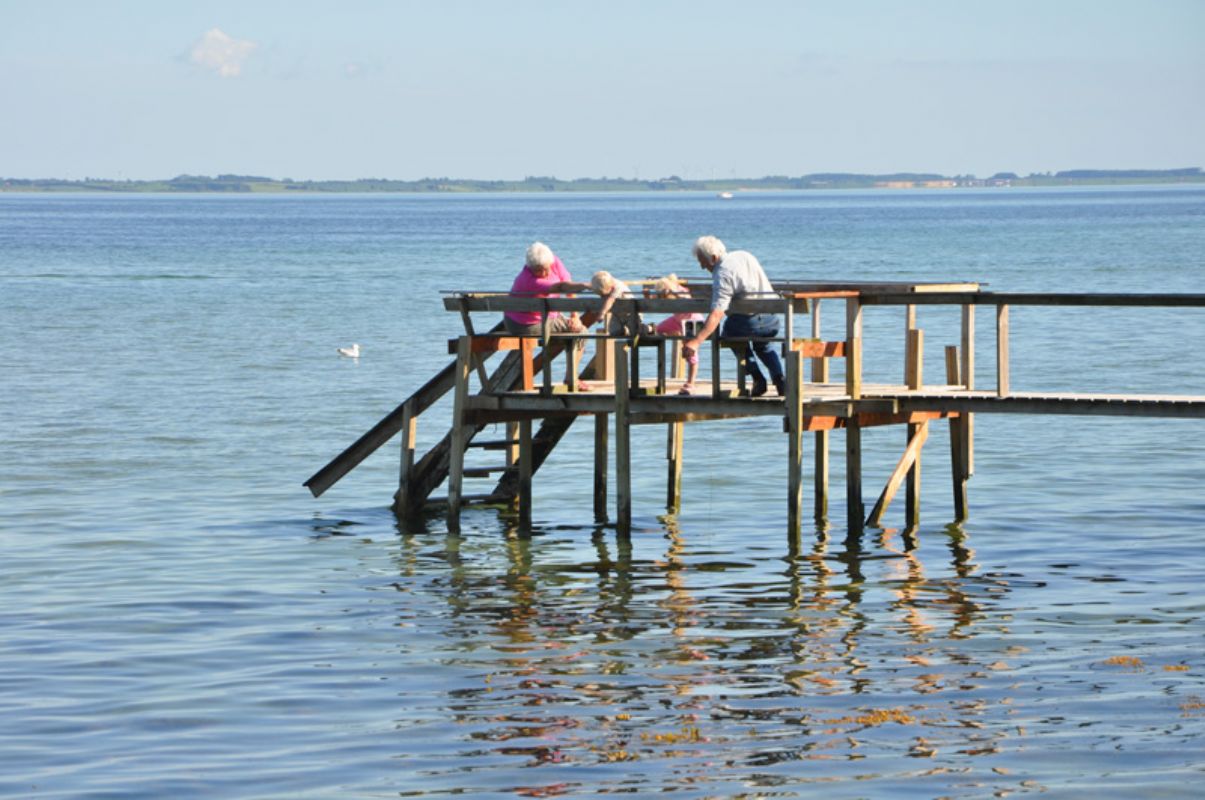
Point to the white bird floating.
(350, 352)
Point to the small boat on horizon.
(725, 195)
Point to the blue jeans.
(743, 326)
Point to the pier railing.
(962, 373)
(521, 390)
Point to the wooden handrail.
(426, 396)
(1036, 299)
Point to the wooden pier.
(519, 391)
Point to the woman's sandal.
(687, 389)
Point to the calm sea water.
(179, 618)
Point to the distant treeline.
(821, 180)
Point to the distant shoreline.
(254, 184)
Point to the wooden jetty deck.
(520, 391)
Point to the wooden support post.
(623, 456)
(794, 401)
(633, 381)
(546, 354)
(1002, 350)
(821, 478)
(952, 366)
(675, 434)
(402, 501)
(914, 371)
(742, 368)
(855, 510)
(527, 352)
(909, 327)
(660, 366)
(456, 454)
(571, 365)
(512, 451)
(957, 453)
(915, 379)
(911, 456)
(968, 380)
(600, 467)
(478, 360)
(819, 365)
(820, 375)
(604, 360)
(526, 468)
(715, 362)
(853, 348)
(788, 318)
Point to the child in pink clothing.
(676, 325)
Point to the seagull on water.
(350, 352)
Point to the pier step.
(495, 444)
(469, 499)
(484, 472)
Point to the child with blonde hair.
(676, 325)
(610, 288)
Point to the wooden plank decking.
(831, 399)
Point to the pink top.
(683, 317)
(676, 324)
(528, 285)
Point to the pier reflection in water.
(866, 663)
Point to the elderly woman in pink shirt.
(543, 275)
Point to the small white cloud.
(222, 53)
(353, 69)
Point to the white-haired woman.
(543, 275)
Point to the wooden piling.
(402, 500)
(674, 438)
(855, 510)
(957, 452)
(794, 402)
(914, 378)
(1002, 350)
(526, 469)
(458, 440)
(968, 380)
(600, 467)
(821, 468)
(623, 456)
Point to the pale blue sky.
(619, 88)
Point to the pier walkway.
(634, 381)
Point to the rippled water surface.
(179, 618)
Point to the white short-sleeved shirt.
(738, 275)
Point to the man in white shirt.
(735, 275)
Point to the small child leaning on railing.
(611, 289)
(676, 325)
